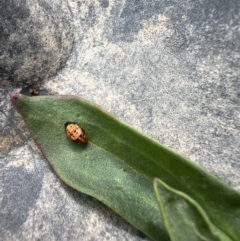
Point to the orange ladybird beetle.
(75, 132)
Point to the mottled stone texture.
(169, 68)
(36, 39)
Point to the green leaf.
(118, 164)
(184, 218)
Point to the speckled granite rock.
(169, 68)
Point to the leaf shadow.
(104, 213)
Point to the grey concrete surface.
(169, 68)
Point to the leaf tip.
(14, 97)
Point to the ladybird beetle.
(75, 132)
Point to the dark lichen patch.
(20, 191)
(91, 18)
(104, 3)
(130, 20)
